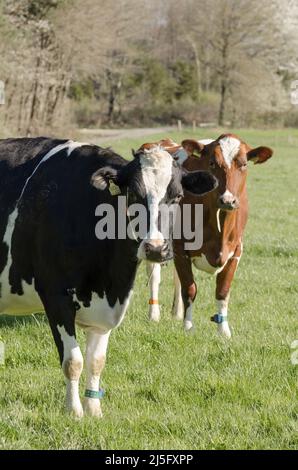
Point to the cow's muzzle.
(157, 253)
(227, 202)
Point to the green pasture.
(166, 389)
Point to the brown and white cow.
(225, 213)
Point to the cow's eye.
(178, 198)
(243, 166)
(212, 164)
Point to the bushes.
(291, 119)
(152, 93)
(186, 109)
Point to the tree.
(149, 60)
(237, 39)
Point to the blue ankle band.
(218, 318)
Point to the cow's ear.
(192, 147)
(106, 178)
(198, 182)
(259, 154)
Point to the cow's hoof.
(189, 326)
(92, 407)
(75, 411)
(224, 330)
(154, 313)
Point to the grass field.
(169, 390)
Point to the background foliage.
(104, 63)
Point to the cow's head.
(153, 178)
(227, 158)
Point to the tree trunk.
(34, 94)
(222, 106)
(111, 104)
(115, 84)
(198, 67)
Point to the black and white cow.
(50, 257)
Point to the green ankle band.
(98, 394)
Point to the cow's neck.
(124, 262)
(220, 228)
(223, 224)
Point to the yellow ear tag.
(114, 189)
(196, 153)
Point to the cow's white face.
(157, 172)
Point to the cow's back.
(18, 160)
(47, 219)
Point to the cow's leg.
(96, 349)
(188, 287)
(223, 285)
(61, 311)
(153, 272)
(178, 307)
